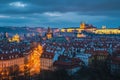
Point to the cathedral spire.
(49, 33)
(82, 25)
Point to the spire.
(49, 30)
(49, 33)
(82, 25)
(6, 35)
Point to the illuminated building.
(92, 29)
(34, 59)
(46, 61)
(83, 26)
(79, 35)
(70, 30)
(63, 30)
(15, 38)
(104, 30)
(27, 60)
(49, 33)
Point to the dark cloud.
(40, 6)
(109, 8)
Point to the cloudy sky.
(59, 13)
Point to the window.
(9, 57)
(1, 57)
(46, 56)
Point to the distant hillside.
(17, 29)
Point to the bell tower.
(49, 33)
(82, 25)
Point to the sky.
(60, 13)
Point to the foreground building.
(46, 61)
(19, 57)
(72, 65)
(115, 63)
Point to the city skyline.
(61, 13)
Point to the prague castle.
(92, 29)
(104, 30)
(82, 27)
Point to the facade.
(115, 63)
(72, 65)
(83, 26)
(107, 31)
(84, 57)
(46, 61)
(80, 35)
(91, 28)
(15, 38)
(25, 60)
(9, 60)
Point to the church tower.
(49, 33)
(82, 25)
(6, 35)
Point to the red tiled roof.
(12, 55)
(71, 63)
(47, 55)
(66, 65)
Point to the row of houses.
(74, 53)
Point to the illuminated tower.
(49, 33)
(82, 25)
